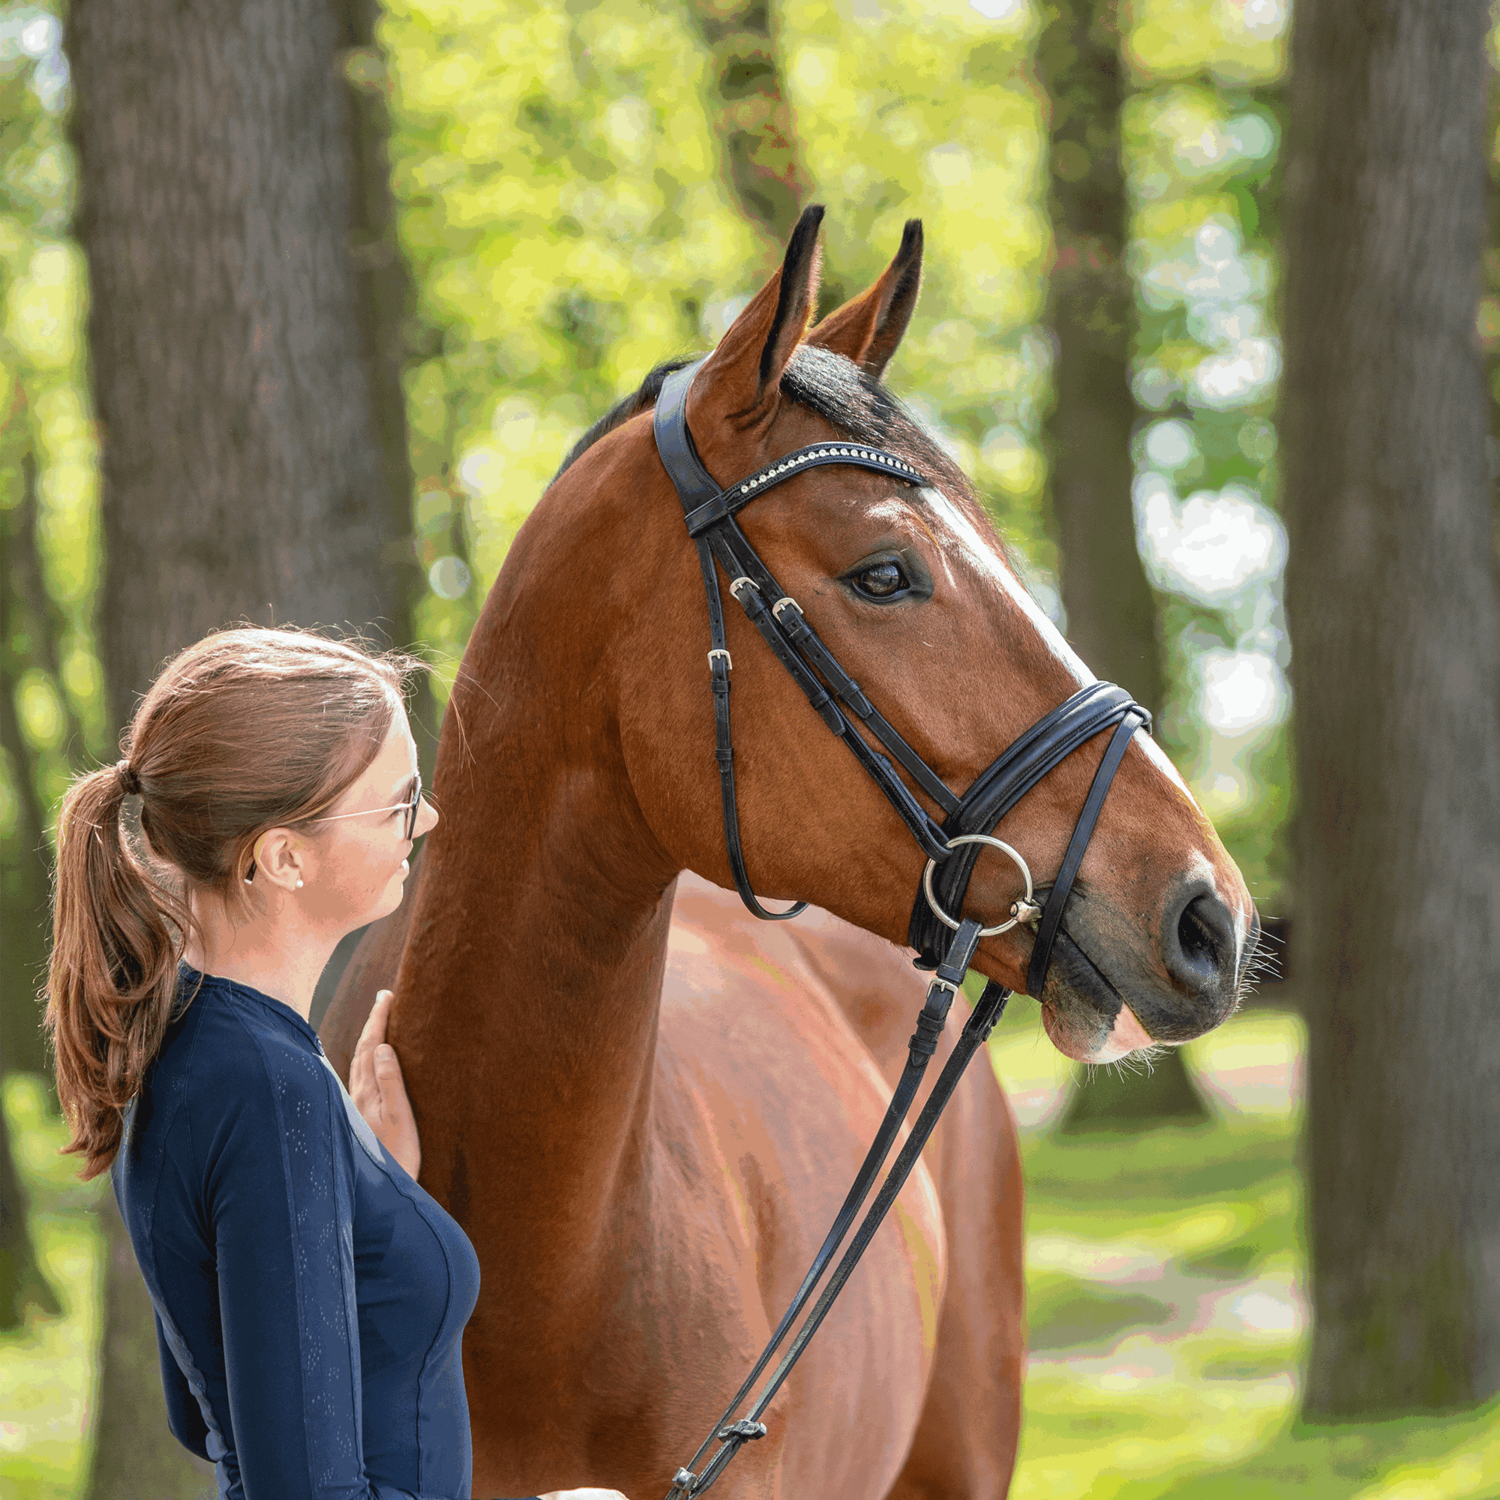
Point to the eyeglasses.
(411, 807)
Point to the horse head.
(907, 583)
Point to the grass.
(1166, 1290)
(47, 1366)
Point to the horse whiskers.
(1140, 1063)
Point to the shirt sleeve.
(279, 1194)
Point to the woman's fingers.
(379, 1090)
(388, 1071)
(585, 1494)
(364, 1081)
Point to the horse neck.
(538, 941)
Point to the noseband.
(945, 940)
(952, 846)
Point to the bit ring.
(1024, 910)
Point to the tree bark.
(26, 634)
(1491, 329)
(244, 471)
(750, 115)
(23, 1283)
(1091, 311)
(247, 386)
(1394, 612)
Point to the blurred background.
(301, 307)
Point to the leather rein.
(944, 942)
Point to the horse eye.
(882, 581)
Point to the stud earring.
(299, 885)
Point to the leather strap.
(693, 480)
(1002, 784)
(920, 1049)
(733, 1436)
(766, 602)
(727, 502)
(710, 512)
(1083, 830)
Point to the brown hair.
(246, 731)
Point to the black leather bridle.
(943, 942)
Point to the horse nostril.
(1202, 957)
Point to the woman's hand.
(379, 1094)
(582, 1495)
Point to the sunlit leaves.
(48, 451)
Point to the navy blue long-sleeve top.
(310, 1297)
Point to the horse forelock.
(853, 402)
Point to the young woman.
(310, 1297)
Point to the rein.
(944, 942)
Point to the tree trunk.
(1123, 1099)
(1395, 619)
(23, 1283)
(245, 474)
(247, 384)
(1490, 320)
(386, 297)
(750, 115)
(134, 1453)
(1091, 311)
(29, 632)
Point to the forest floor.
(1167, 1298)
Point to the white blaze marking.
(1159, 758)
(991, 565)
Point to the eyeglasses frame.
(412, 807)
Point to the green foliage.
(564, 208)
(48, 454)
(569, 227)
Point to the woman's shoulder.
(229, 1045)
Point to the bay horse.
(644, 1107)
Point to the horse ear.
(740, 382)
(868, 329)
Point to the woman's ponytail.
(113, 978)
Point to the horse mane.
(854, 403)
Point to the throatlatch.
(945, 940)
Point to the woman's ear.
(278, 859)
(739, 386)
(868, 329)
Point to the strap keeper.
(956, 961)
(707, 515)
(745, 1430)
(930, 1020)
